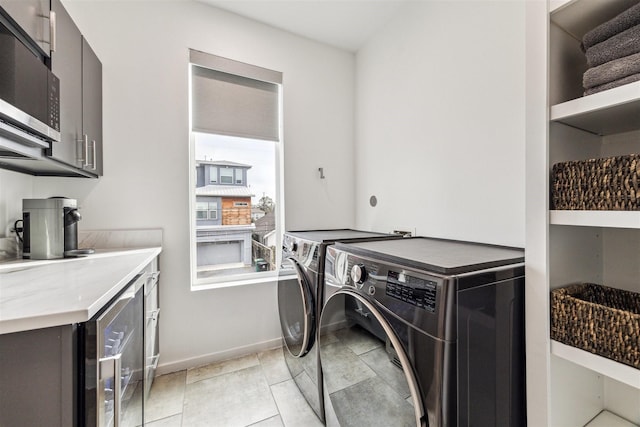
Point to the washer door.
(367, 380)
(296, 308)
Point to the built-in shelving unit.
(607, 419)
(613, 111)
(563, 246)
(611, 219)
(617, 371)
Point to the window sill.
(229, 282)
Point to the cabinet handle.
(53, 39)
(154, 361)
(85, 149)
(110, 367)
(93, 166)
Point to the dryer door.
(296, 308)
(367, 380)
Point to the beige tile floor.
(255, 390)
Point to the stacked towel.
(627, 19)
(613, 52)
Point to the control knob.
(358, 274)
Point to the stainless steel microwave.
(29, 92)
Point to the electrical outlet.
(10, 230)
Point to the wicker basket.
(598, 319)
(598, 184)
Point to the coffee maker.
(50, 228)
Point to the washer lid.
(330, 236)
(437, 255)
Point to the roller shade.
(233, 98)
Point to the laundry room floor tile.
(269, 422)
(238, 398)
(292, 406)
(250, 391)
(166, 396)
(274, 366)
(173, 421)
(220, 368)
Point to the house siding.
(233, 215)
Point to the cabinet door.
(66, 64)
(33, 18)
(37, 372)
(92, 107)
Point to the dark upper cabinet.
(66, 64)
(80, 74)
(33, 18)
(92, 108)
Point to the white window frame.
(247, 278)
(198, 211)
(213, 211)
(237, 172)
(207, 211)
(240, 204)
(226, 176)
(213, 174)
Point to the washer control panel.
(412, 290)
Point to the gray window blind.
(232, 98)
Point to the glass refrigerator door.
(120, 367)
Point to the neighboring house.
(265, 236)
(256, 213)
(223, 214)
(264, 225)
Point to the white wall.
(13, 188)
(143, 47)
(440, 140)
(440, 122)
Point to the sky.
(261, 155)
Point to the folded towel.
(611, 71)
(623, 81)
(627, 19)
(621, 45)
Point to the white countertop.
(41, 294)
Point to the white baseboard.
(193, 362)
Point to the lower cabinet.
(38, 377)
(96, 373)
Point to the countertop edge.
(61, 318)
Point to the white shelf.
(607, 367)
(608, 419)
(615, 110)
(610, 219)
(577, 17)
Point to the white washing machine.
(423, 332)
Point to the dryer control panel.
(412, 290)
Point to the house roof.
(222, 163)
(224, 191)
(266, 223)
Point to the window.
(206, 210)
(235, 133)
(202, 210)
(226, 176)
